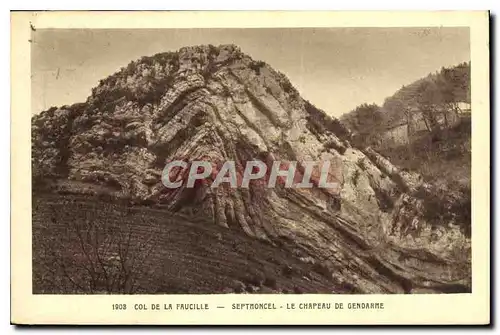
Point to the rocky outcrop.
(219, 104)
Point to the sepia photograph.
(251, 161)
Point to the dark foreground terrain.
(88, 245)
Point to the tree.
(427, 97)
(409, 129)
(364, 121)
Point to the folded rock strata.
(218, 104)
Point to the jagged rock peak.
(148, 78)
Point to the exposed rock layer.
(217, 104)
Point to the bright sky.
(335, 68)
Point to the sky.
(336, 69)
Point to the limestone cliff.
(216, 102)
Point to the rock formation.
(217, 103)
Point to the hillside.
(180, 256)
(422, 129)
(447, 87)
(218, 104)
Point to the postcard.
(250, 168)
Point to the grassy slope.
(445, 159)
(445, 162)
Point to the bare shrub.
(88, 257)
